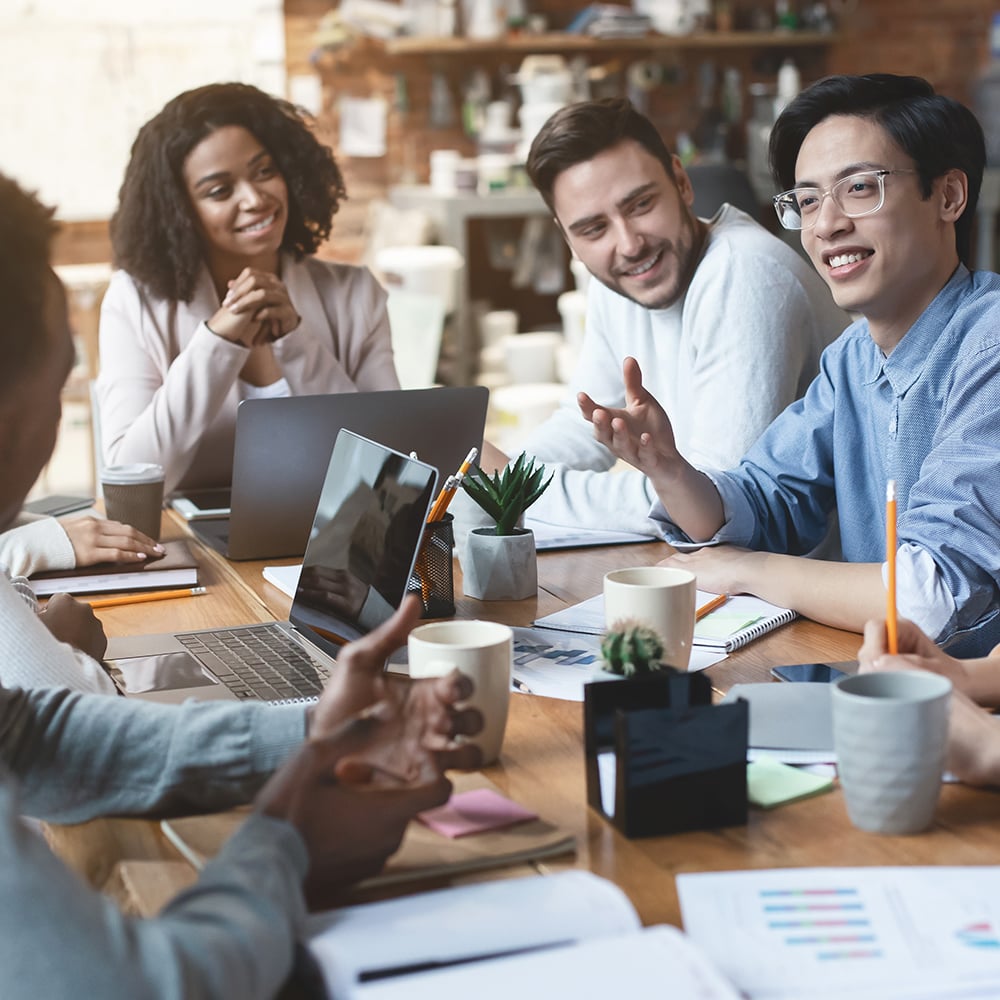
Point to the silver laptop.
(283, 447)
(357, 569)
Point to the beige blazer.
(168, 387)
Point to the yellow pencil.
(891, 625)
(708, 607)
(450, 488)
(159, 595)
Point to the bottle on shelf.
(789, 85)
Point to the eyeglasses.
(859, 194)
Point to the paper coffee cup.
(133, 494)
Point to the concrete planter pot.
(499, 567)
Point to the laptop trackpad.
(160, 672)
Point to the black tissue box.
(680, 761)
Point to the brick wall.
(943, 40)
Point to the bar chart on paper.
(832, 923)
(891, 933)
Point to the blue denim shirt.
(927, 416)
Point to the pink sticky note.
(474, 812)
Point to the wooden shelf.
(562, 42)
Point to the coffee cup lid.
(134, 472)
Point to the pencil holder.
(433, 576)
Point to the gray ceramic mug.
(890, 733)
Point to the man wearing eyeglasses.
(883, 177)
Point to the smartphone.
(59, 504)
(200, 504)
(816, 673)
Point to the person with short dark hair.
(884, 175)
(727, 321)
(352, 770)
(226, 198)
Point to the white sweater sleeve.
(31, 657)
(581, 492)
(38, 544)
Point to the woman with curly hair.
(219, 298)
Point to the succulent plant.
(507, 494)
(630, 648)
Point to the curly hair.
(153, 231)
(936, 132)
(26, 232)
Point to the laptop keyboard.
(259, 662)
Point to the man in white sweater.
(352, 770)
(727, 322)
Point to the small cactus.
(630, 648)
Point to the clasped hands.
(374, 758)
(256, 310)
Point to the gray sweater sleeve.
(232, 935)
(79, 756)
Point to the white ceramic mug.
(657, 596)
(890, 733)
(484, 652)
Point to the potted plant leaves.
(500, 563)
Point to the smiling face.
(890, 265)
(239, 199)
(631, 223)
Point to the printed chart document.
(571, 934)
(739, 621)
(558, 664)
(862, 933)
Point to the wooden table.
(542, 762)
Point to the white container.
(444, 169)
(573, 310)
(424, 270)
(545, 79)
(580, 274)
(497, 324)
(493, 171)
(533, 117)
(531, 357)
(519, 409)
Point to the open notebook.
(566, 935)
(739, 621)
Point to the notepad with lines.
(739, 621)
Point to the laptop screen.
(364, 541)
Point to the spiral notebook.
(740, 620)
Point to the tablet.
(198, 504)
